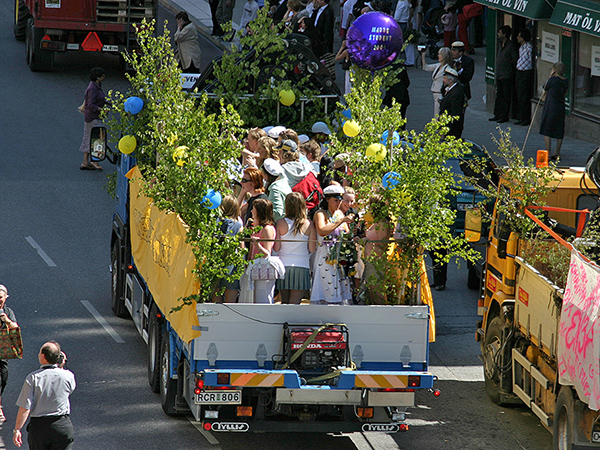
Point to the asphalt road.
(54, 258)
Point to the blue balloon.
(134, 105)
(212, 199)
(347, 113)
(374, 40)
(395, 138)
(391, 180)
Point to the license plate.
(465, 206)
(219, 398)
(110, 48)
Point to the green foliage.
(182, 151)
(250, 78)
(421, 202)
(548, 256)
(522, 184)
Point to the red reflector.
(437, 392)
(199, 383)
(219, 388)
(207, 426)
(129, 267)
(414, 381)
(197, 391)
(92, 42)
(223, 378)
(244, 411)
(46, 38)
(403, 427)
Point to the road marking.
(212, 440)
(41, 252)
(370, 441)
(102, 321)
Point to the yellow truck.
(540, 342)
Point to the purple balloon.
(374, 40)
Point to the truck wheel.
(21, 17)
(491, 346)
(116, 285)
(562, 426)
(168, 386)
(39, 60)
(473, 281)
(154, 341)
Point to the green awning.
(583, 16)
(532, 9)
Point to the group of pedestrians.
(44, 396)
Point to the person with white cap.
(8, 320)
(464, 66)
(277, 186)
(453, 102)
(329, 287)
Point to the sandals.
(90, 167)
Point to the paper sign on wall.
(550, 47)
(595, 64)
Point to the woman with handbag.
(258, 282)
(9, 322)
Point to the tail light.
(365, 413)
(414, 381)
(207, 426)
(403, 427)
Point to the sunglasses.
(245, 180)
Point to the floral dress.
(328, 281)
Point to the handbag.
(269, 268)
(472, 10)
(11, 344)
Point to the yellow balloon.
(376, 152)
(180, 154)
(351, 128)
(287, 97)
(127, 144)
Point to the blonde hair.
(256, 133)
(446, 57)
(295, 209)
(289, 155)
(230, 207)
(269, 145)
(290, 134)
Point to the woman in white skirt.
(444, 60)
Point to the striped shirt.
(525, 61)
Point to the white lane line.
(41, 252)
(102, 321)
(212, 440)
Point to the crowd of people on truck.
(301, 210)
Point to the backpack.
(311, 190)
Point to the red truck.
(50, 26)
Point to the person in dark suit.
(453, 102)
(323, 20)
(279, 11)
(464, 66)
(506, 66)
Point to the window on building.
(548, 51)
(586, 85)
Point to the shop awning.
(583, 16)
(532, 9)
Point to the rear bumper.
(281, 426)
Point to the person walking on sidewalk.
(8, 320)
(188, 52)
(94, 101)
(438, 69)
(506, 66)
(464, 66)
(524, 78)
(553, 115)
(45, 398)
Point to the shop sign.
(531, 9)
(550, 47)
(582, 16)
(595, 64)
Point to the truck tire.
(168, 386)
(21, 17)
(473, 281)
(562, 426)
(116, 285)
(39, 60)
(491, 346)
(154, 350)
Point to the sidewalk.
(477, 127)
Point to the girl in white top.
(298, 239)
(444, 60)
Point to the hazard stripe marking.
(256, 379)
(381, 381)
